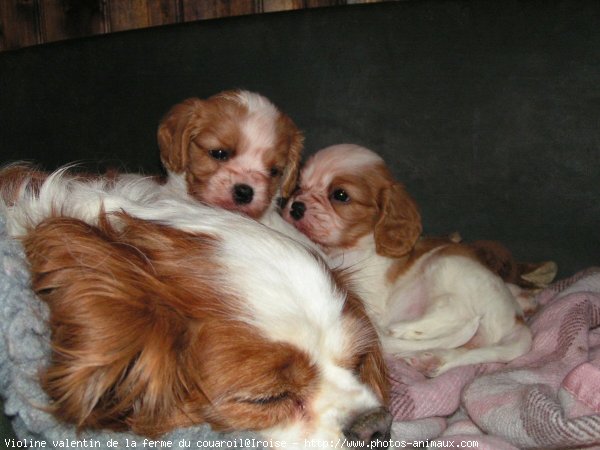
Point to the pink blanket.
(548, 398)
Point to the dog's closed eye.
(266, 399)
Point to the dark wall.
(488, 111)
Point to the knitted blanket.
(548, 398)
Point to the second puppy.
(434, 302)
(235, 150)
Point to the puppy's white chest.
(369, 279)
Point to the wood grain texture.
(19, 24)
(67, 19)
(29, 22)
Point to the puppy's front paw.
(427, 363)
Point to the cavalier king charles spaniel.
(234, 150)
(433, 301)
(165, 313)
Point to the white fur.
(288, 293)
(318, 169)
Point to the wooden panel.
(29, 22)
(281, 5)
(65, 19)
(210, 9)
(286, 5)
(163, 12)
(128, 14)
(319, 3)
(19, 26)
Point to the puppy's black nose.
(297, 210)
(372, 427)
(242, 194)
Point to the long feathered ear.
(174, 134)
(113, 362)
(399, 225)
(371, 366)
(292, 167)
(373, 372)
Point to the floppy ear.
(399, 225)
(113, 363)
(292, 166)
(373, 372)
(372, 368)
(174, 134)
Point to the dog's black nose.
(372, 427)
(242, 194)
(297, 210)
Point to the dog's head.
(235, 150)
(346, 193)
(155, 328)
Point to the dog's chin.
(255, 210)
(321, 238)
(252, 212)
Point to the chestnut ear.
(373, 372)
(292, 166)
(174, 134)
(399, 225)
(372, 368)
(96, 378)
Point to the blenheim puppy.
(433, 301)
(166, 313)
(235, 150)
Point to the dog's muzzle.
(297, 210)
(372, 427)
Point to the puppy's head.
(346, 193)
(154, 328)
(235, 150)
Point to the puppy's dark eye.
(340, 195)
(275, 172)
(220, 154)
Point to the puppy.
(234, 150)
(166, 313)
(432, 300)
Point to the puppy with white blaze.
(235, 150)
(166, 313)
(434, 303)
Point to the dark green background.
(489, 111)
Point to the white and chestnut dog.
(165, 313)
(234, 150)
(433, 301)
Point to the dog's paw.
(427, 363)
